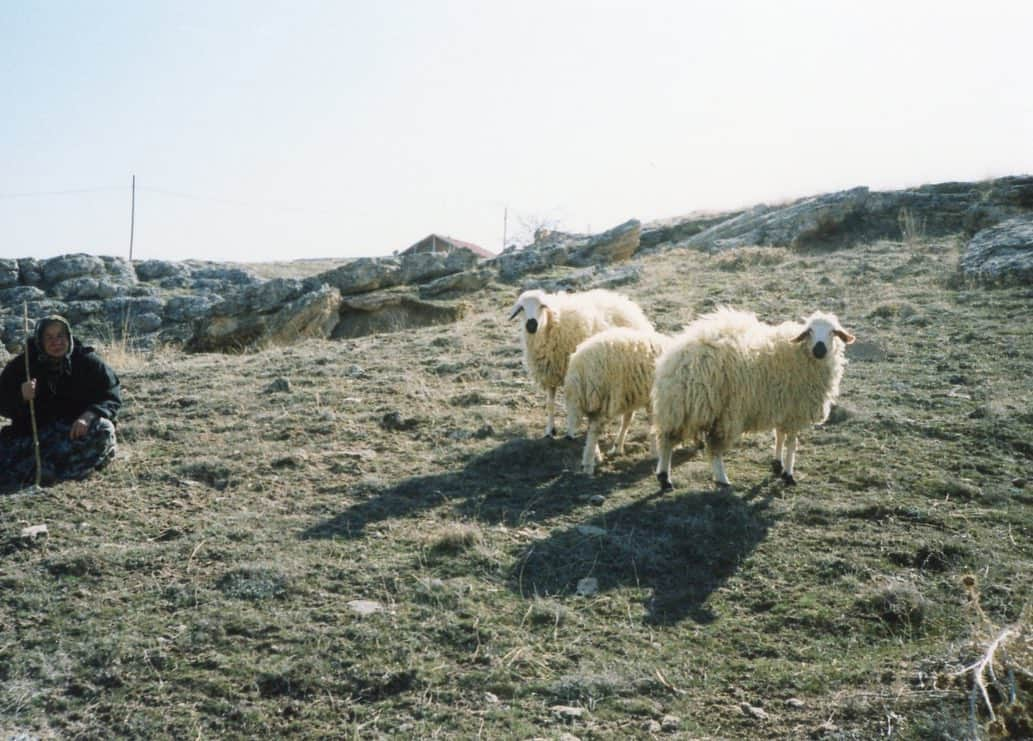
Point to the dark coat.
(84, 383)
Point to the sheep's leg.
(550, 407)
(591, 451)
(720, 477)
(663, 463)
(572, 420)
(787, 474)
(618, 445)
(776, 464)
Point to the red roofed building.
(437, 243)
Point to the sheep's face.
(820, 334)
(532, 304)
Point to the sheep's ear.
(802, 336)
(845, 336)
(517, 308)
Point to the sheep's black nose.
(819, 350)
(532, 325)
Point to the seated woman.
(75, 397)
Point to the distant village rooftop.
(439, 243)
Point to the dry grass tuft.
(912, 228)
(1001, 675)
(455, 538)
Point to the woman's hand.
(29, 389)
(82, 425)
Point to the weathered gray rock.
(421, 267)
(78, 312)
(156, 270)
(122, 309)
(58, 269)
(14, 297)
(515, 262)
(85, 288)
(819, 221)
(8, 273)
(393, 310)
(464, 282)
(5, 357)
(12, 322)
(217, 271)
(363, 275)
(145, 323)
(122, 317)
(314, 314)
(191, 308)
(12, 332)
(613, 245)
(262, 298)
(29, 271)
(46, 307)
(859, 215)
(119, 271)
(554, 249)
(1002, 253)
(680, 228)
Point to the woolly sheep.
(728, 374)
(556, 323)
(610, 375)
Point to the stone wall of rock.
(859, 215)
(207, 306)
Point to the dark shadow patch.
(518, 481)
(682, 547)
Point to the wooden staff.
(32, 404)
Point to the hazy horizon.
(271, 131)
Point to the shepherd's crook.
(32, 403)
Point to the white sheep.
(556, 323)
(728, 374)
(610, 375)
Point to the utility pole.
(132, 219)
(505, 224)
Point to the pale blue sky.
(261, 130)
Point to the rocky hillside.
(212, 307)
(369, 537)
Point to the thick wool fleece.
(729, 374)
(611, 373)
(569, 320)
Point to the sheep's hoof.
(549, 434)
(776, 467)
(788, 480)
(665, 482)
(568, 436)
(723, 486)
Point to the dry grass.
(204, 584)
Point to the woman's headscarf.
(47, 361)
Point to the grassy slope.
(199, 586)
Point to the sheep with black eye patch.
(729, 373)
(556, 323)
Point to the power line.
(172, 194)
(74, 191)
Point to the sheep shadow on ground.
(522, 481)
(681, 546)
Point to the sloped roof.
(454, 243)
